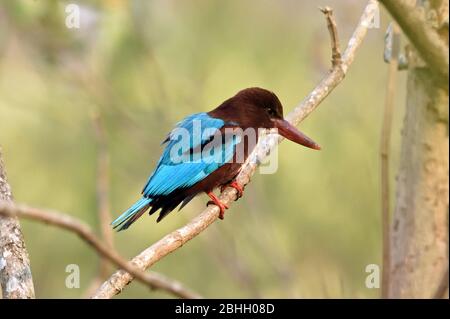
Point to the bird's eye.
(271, 111)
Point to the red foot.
(236, 186)
(216, 201)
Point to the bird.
(200, 156)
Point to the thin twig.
(179, 237)
(393, 46)
(151, 279)
(336, 58)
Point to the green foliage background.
(307, 231)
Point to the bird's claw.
(216, 201)
(222, 207)
(239, 189)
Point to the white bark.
(15, 274)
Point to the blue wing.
(183, 162)
(194, 149)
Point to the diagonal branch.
(15, 273)
(153, 280)
(179, 237)
(427, 41)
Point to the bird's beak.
(290, 132)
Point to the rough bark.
(420, 226)
(15, 273)
(419, 242)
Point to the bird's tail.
(131, 214)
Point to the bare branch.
(393, 46)
(336, 57)
(425, 39)
(179, 237)
(15, 273)
(153, 280)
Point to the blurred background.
(307, 231)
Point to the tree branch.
(153, 280)
(179, 237)
(432, 49)
(15, 273)
(336, 57)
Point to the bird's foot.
(216, 201)
(236, 186)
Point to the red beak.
(290, 132)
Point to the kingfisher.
(206, 151)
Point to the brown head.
(259, 108)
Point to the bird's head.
(259, 108)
